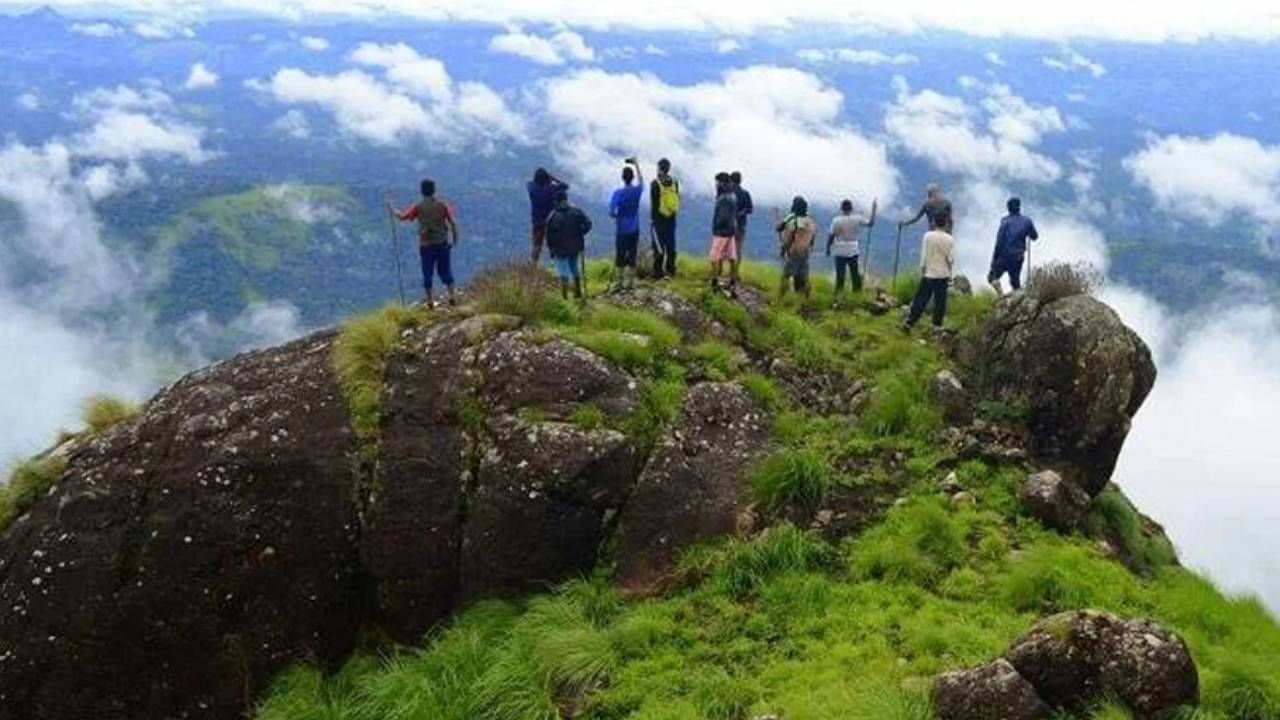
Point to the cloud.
(558, 49)
(1229, 19)
(27, 101)
(161, 29)
(994, 58)
(1210, 179)
(201, 339)
(415, 97)
(293, 123)
(1199, 459)
(201, 78)
(781, 127)
(314, 44)
(97, 29)
(1068, 60)
(297, 204)
(130, 136)
(855, 56)
(944, 131)
(727, 46)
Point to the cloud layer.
(1210, 179)
(779, 126)
(557, 49)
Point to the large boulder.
(1058, 503)
(949, 393)
(1081, 371)
(695, 486)
(992, 692)
(189, 554)
(1075, 659)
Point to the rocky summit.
(701, 500)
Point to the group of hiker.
(562, 228)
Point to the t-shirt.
(798, 233)
(1011, 240)
(935, 209)
(938, 256)
(845, 228)
(433, 219)
(624, 206)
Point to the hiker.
(745, 208)
(937, 263)
(542, 193)
(437, 234)
(842, 238)
(935, 207)
(796, 232)
(1011, 247)
(664, 206)
(567, 229)
(624, 208)
(724, 232)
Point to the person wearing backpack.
(842, 238)
(796, 233)
(624, 207)
(542, 193)
(724, 231)
(937, 264)
(437, 234)
(664, 206)
(567, 228)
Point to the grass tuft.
(28, 482)
(102, 412)
(518, 288)
(793, 478)
(360, 358)
(1055, 281)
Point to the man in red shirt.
(437, 234)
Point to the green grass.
(784, 622)
(359, 358)
(519, 289)
(793, 478)
(28, 482)
(102, 412)
(1113, 516)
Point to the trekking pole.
(866, 261)
(582, 258)
(897, 255)
(395, 246)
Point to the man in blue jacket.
(567, 228)
(1011, 247)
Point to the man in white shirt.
(937, 264)
(842, 241)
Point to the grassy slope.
(786, 623)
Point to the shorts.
(627, 245)
(567, 266)
(723, 248)
(798, 268)
(435, 261)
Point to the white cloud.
(652, 49)
(129, 136)
(97, 29)
(562, 47)
(202, 339)
(944, 131)
(1068, 60)
(161, 29)
(1201, 455)
(414, 97)
(781, 127)
(1104, 19)
(201, 78)
(314, 44)
(298, 204)
(994, 58)
(855, 56)
(727, 46)
(293, 123)
(27, 101)
(1210, 179)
